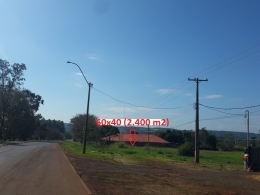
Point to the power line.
(207, 119)
(235, 68)
(217, 68)
(228, 59)
(230, 63)
(163, 103)
(167, 93)
(229, 108)
(155, 102)
(137, 105)
(223, 112)
(215, 118)
(184, 124)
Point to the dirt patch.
(106, 178)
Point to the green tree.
(78, 125)
(212, 142)
(188, 136)
(11, 78)
(68, 135)
(226, 142)
(54, 134)
(21, 117)
(203, 138)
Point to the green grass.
(128, 154)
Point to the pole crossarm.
(197, 80)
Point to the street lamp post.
(86, 124)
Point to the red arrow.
(132, 138)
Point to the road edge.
(82, 182)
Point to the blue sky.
(139, 52)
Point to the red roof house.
(137, 139)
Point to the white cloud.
(120, 109)
(164, 91)
(213, 96)
(92, 56)
(79, 74)
(78, 85)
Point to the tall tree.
(21, 115)
(78, 126)
(11, 78)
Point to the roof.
(140, 138)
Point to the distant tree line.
(51, 130)
(209, 141)
(178, 137)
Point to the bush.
(130, 152)
(186, 149)
(239, 148)
(160, 152)
(121, 145)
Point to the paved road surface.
(37, 169)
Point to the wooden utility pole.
(148, 140)
(197, 137)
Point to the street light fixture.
(86, 124)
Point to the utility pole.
(148, 140)
(86, 124)
(197, 137)
(247, 115)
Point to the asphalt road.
(37, 169)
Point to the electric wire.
(223, 112)
(162, 104)
(228, 58)
(229, 108)
(215, 118)
(235, 68)
(230, 63)
(167, 93)
(226, 64)
(137, 105)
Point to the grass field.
(127, 154)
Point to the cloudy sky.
(139, 55)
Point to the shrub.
(239, 148)
(130, 152)
(186, 149)
(160, 152)
(121, 145)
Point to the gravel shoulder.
(108, 178)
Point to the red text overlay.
(133, 122)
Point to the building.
(137, 139)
